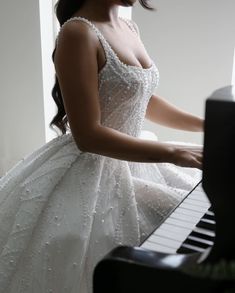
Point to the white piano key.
(212, 222)
(184, 211)
(201, 198)
(172, 228)
(164, 241)
(180, 223)
(194, 208)
(210, 213)
(187, 218)
(195, 202)
(157, 247)
(172, 234)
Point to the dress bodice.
(124, 90)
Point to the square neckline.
(140, 68)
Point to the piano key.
(182, 230)
(171, 234)
(210, 209)
(196, 242)
(195, 202)
(207, 224)
(199, 198)
(157, 247)
(165, 241)
(179, 223)
(195, 208)
(186, 218)
(202, 236)
(185, 250)
(209, 216)
(204, 231)
(173, 228)
(189, 212)
(189, 247)
(199, 242)
(210, 213)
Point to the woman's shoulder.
(75, 30)
(75, 41)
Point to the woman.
(67, 204)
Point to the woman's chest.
(129, 51)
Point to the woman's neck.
(99, 11)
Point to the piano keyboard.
(189, 228)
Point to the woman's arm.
(77, 70)
(162, 112)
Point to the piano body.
(198, 233)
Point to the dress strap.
(132, 25)
(103, 41)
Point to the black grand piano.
(193, 250)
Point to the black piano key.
(184, 250)
(188, 248)
(209, 216)
(202, 236)
(206, 224)
(198, 242)
(204, 231)
(210, 209)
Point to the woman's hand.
(188, 156)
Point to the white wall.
(21, 103)
(192, 43)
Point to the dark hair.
(64, 9)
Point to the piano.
(198, 233)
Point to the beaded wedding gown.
(62, 210)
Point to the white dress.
(62, 210)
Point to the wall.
(22, 110)
(192, 42)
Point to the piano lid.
(219, 167)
